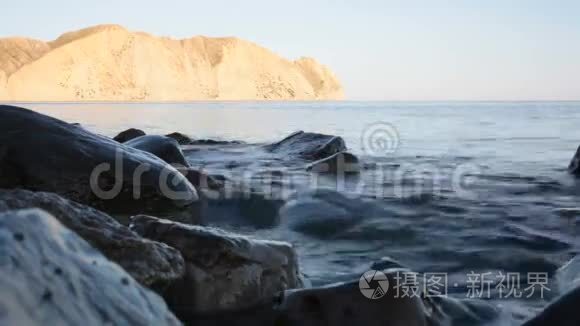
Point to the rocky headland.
(111, 63)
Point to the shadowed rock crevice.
(149, 262)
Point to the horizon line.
(291, 101)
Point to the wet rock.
(342, 163)
(307, 145)
(149, 262)
(562, 312)
(180, 138)
(163, 147)
(344, 305)
(567, 212)
(202, 180)
(85, 167)
(129, 134)
(215, 142)
(447, 310)
(321, 213)
(339, 304)
(224, 270)
(574, 166)
(387, 263)
(50, 276)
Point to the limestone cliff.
(110, 63)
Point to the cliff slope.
(110, 63)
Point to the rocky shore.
(97, 231)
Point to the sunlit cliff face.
(110, 63)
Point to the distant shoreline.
(290, 101)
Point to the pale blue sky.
(380, 49)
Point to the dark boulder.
(180, 138)
(562, 312)
(574, 166)
(129, 134)
(344, 305)
(223, 270)
(163, 147)
(50, 276)
(307, 145)
(41, 153)
(339, 304)
(340, 163)
(149, 262)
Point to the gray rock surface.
(307, 145)
(562, 312)
(339, 304)
(163, 147)
(129, 134)
(223, 270)
(344, 305)
(322, 213)
(83, 166)
(50, 276)
(149, 262)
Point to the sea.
(475, 193)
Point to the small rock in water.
(224, 270)
(84, 294)
(163, 147)
(180, 138)
(570, 212)
(214, 142)
(307, 145)
(321, 213)
(340, 163)
(129, 134)
(386, 263)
